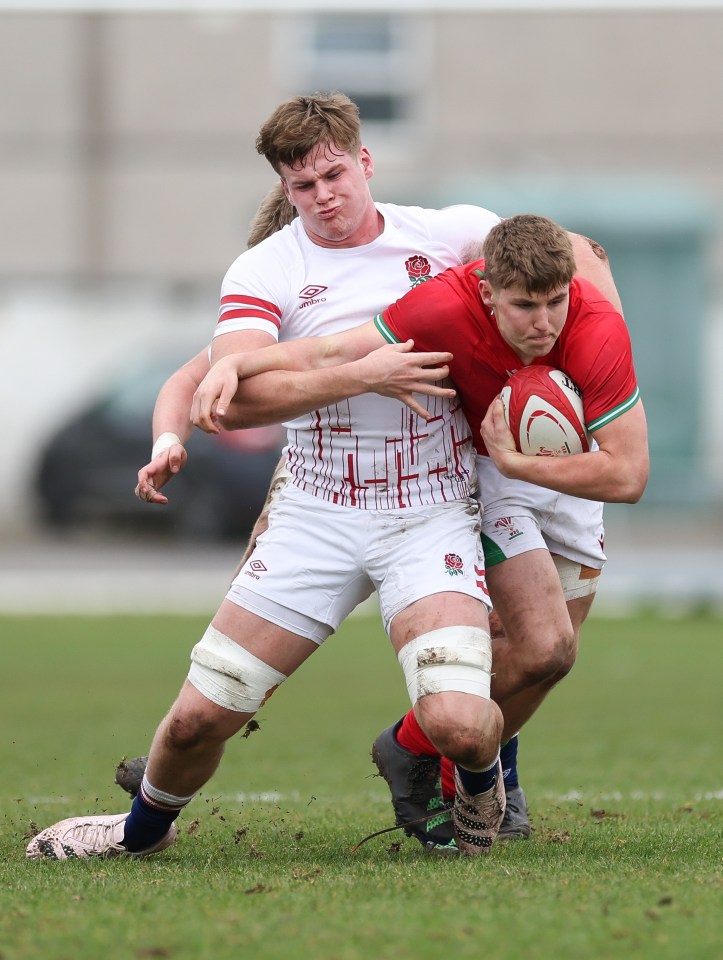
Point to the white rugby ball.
(543, 409)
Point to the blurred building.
(128, 176)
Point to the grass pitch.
(622, 770)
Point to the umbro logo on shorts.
(257, 566)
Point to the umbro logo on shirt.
(310, 294)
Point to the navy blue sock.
(508, 759)
(477, 781)
(146, 825)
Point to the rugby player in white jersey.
(379, 497)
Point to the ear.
(485, 292)
(285, 189)
(367, 163)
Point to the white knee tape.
(457, 659)
(230, 676)
(576, 579)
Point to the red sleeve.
(598, 355)
(418, 316)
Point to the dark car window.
(134, 396)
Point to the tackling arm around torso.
(305, 375)
(591, 263)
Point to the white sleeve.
(253, 293)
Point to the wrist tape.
(165, 441)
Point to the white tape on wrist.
(165, 441)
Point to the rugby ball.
(543, 409)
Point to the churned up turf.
(622, 770)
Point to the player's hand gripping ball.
(543, 409)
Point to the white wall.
(61, 348)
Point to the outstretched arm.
(616, 473)
(314, 374)
(232, 364)
(172, 424)
(171, 429)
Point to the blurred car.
(88, 470)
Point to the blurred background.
(128, 177)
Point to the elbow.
(621, 493)
(242, 416)
(631, 496)
(636, 493)
(235, 418)
(632, 487)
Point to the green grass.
(622, 769)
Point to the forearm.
(172, 427)
(594, 476)
(307, 353)
(392, 370)
(617, 472)
(283, 395)
(171, 413)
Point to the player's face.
(529, 322)
(330, 190)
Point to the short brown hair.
(530, 252)
(299, 125)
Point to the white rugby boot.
(79, 837)
(477, 819)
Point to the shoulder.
(466, 214)
(269, 260)
(586, 298)
(463, 222)
(457, 213)
(446, 293)
(591, 316)
(593, 322)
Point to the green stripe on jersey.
(384, 329)
(615, 412)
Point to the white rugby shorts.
(519, 516)
(317, 561)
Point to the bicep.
(240, 341)
(196, 369)
(181, 385)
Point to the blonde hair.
(300, 124)
(274, 212)
(530, 252)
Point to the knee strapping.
(456, 659)
(577, 580)
(230, 676)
